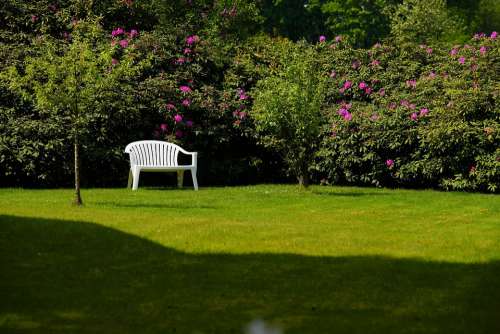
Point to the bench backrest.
(153, 153)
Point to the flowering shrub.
(419, 114)
(428, 118)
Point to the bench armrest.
(194, 158)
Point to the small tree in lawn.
(287, 108)
(77, 82)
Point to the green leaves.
(287, 107)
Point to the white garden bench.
(158, 156)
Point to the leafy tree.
(73, 83)
(364, 21)
(287, 108)
(424, 21)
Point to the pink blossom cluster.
(365, 87)
(411, 83)
(423, 112)
(124, 36)
(344, 111)
(193, 39)
(242, 95)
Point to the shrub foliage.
(412, 110)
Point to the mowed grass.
(324, 260)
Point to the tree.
(287, 108)
(75, 83)
(425, 21)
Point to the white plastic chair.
(158, 156)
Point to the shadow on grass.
(77, 277)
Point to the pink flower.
(114, 61)
(347, 116)
(483, 50)
(374, 117)
(322, 39)
(356, 64)
(185, 89)
(338, 39)
(170, 106)
(494, 35)
(186, 102)
(461, 60)
(117, 32)
(375, 63)
(133, 33)
(412, 106)
(190, 40)
(389, 163)
(429, 51)
(124, 43)
(189, 124)
(347, 85)
(342, 111)
(187, 51)
(392, 106)
(411, 83)
(342, 90)
(432, 75)
(423, 112)
(414, 116)
(368, 90)
(333, 74)
(346, 105)
(405, 103)
(34, 18)
(363, 85)
(177, 118)
(179, 133)
(180, 60)
(163, 127)
(479, 35)
(454, 52)
(242, 95)
(381, 92)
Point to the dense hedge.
(394, 115)
(423, 116)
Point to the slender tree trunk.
(78, 198)
(303, 179)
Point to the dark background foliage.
(233, 53)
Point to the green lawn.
(325, 260)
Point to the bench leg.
(180, 178)
(129, 183)
(136, 174)
(195, 181)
